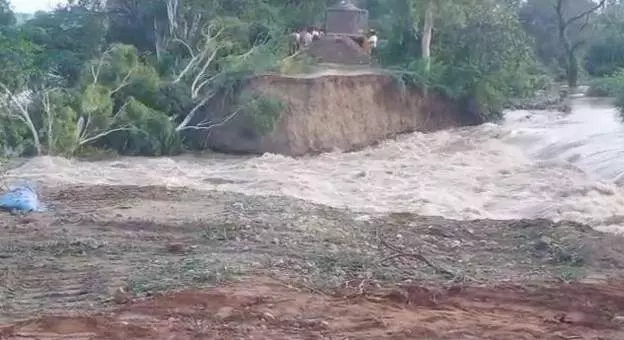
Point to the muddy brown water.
(537, 164)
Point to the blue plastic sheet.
(22, 198)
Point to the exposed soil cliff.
(329, 111)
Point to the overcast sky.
(31, 6)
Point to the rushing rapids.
(534, 164)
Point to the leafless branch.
(186, 45)
(189, 117)
(577, 45)
(4, 170)
(95, 71)
(209, 125)
(172, 12)
(47, 109)
(204, 83)
(83, 127)
(124, 81)
(207, 50)
(24, 116)
(194, 88)
(398, 253)
(102, 134)
(119, 112)
(584, 13)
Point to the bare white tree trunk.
(22, 115)
(427, 32)
(47, 108)
(158, 41)
(570, 48)
(202, 41)
(84, 136)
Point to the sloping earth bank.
(111, 262)
(327, 111)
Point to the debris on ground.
(340, 50)
(21, 198)
(268, 309)
(136, 262)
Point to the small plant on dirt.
(4, 169)
(64, 247)
(328, 271)
(9, 250)
(609, 86)
(297, 64)
(222, 232)
(569, 274)
(11, 285)
(178, 273)
(263, 111)
(559, 252)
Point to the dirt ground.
(339, 50)
(156, 263)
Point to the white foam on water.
(535, 164)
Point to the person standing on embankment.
(295, 42)
(372, 40)
(307, 37)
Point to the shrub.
(609, 86)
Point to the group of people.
(369, 41)
(303, 37)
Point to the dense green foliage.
(480, 55)
(131, 77)
(135, 75)
(608, 86)
(605, 54)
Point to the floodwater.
(534, 164)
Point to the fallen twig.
(398, 253)
(295, 285)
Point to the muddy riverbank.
(488, 232)
(113, 251)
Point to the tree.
(426, 34)
(216, 54)
(17, 56)
(135, 75)
(7, 17)
(560, 30)
(137, 23)
(539, 20)
(564, 21)
(69, 36)
(605, 53)
(483, 57)
(424, 14)
(101, 105)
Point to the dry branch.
(21, 115)
(399, 253)
(4, 170)
(203, 43)
(47, 109)
(82, 128)
(210, 124)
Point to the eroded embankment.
(329, 111)
(102, 246)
